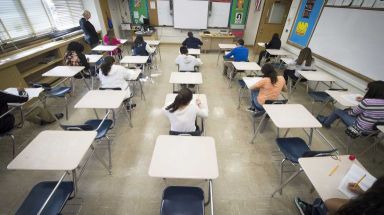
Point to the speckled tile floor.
(248, 173)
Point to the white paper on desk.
(32, 92)
(354, 175)
(351, 98)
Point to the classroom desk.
(278, 52)
(185, 78)
(315, 76)
(224, 47)
(194, 52)
(156, 44)
(104, 48)
(287, 116)
(249, 82)
(185, 157)
(66, 72)
(103, 99)
(243, 66)
(135, 73)
(55, 150)
(92, 60)
(142, 60)
(170, 97)
(317, 170)
(344, 97)
(32, 93)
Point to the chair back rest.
(319, 153)
(278, 101)
(109, 88)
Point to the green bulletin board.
(139, 10)
(239, 13)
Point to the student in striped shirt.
(369, 112)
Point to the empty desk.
(66, 72)
(185, 157)
(243, 66)
(290, 116)
(185, 78)
(224, 47)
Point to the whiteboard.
(352, 38)
(190, 14)
(219, 15)
(164, 13)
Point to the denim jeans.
(343, 115)
(254, 102)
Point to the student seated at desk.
(7, 122)
(304, 56)
(192, 42)
(363, 117)
(240, 53)
(115, 76)
(141, 48)
(182, 113)
(75, 57)
(111, 40)
(275, 43)
(186, 63)
(268, 88)
(370, 202)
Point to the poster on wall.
(139, 10)
(306, 19)
(239, 13)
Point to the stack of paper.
(354, 174)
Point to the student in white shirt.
(182, 113)
(115, 76)
(304, 61)
(186, 63)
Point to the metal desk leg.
(74, 178)
(211, 194)
(159, 52)
(310, 136)
(258, 128)
(73, 85)
(218, 56)
(280, 188)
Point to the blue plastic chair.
(55, 92)
(179, 200)
(40, 193)
(292, 149)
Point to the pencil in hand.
(359, 181)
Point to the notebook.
(354, 174)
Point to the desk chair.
(323, 98)
(293, 148)
(56, 93)
(198, 132)
(102, 128)
(179, 200)
(265, 117)
(47, 197)
(232, 72)
(364, 136)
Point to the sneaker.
(59, 115)
(251, 109)
(131, 107)
(303, 207)
(322, 119)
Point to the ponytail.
(270, 72)
(182, 99)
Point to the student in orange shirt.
(268, 88)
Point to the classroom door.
(272, 20)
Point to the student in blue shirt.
(192, 42)
(240, 53)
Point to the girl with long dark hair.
(183, 111)
(141, 48)
(364, 117)
(115, 76)
(268, 88)
(304, 61)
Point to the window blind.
(37, 16)
(14, 20)
(67, 13)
